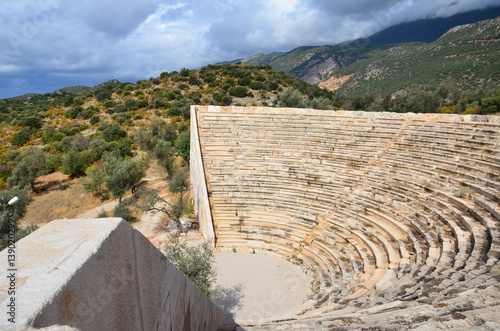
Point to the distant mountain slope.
(467, 55)
(429, 30)
(315, 64)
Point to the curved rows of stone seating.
(398, 204)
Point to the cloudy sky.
(49, 44)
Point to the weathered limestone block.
(101, 274)
(198, 182)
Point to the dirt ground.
(254, 287)
(57, 197)
(60, 197)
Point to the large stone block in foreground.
(101, 274)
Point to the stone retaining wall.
(198, 182)
(101, 274)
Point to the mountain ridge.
(466, 55)
(316, 64)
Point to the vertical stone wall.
(101, 274)
(198, 182)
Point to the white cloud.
(9, 68)
(130, 40)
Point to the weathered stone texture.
(100, 274)
(397, 214)
(198, 182)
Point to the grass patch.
(59, 204)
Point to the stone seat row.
(253, 119)
(259, 180)
(252, 201)
(325, 129)
(325, 255)
(355, 136)
(443, 165)
(404, 202)
(440, 258)
(288, 194)
(364, 291)
(320, 193)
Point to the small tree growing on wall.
(197, 263)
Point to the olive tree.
(151, 200)
(27, 169)
(122, 174)
(94, 182)
(290, 98)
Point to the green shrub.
(112, 132)
(197, 263)
(94, 119)
(30, 166)
(73, 112)
(123, 212)
(290, 98)
(23, 232)
(17, 212)
(238, 91)
(33, 122)
(21, 137)
(257, 85)
(182, 145)
(102, 214)
(74, 162)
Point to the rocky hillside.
(312, 64)
(467, 55)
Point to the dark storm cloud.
(47, 44)
(117, 18)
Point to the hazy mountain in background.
(466, 56)
(429, 30)
(315, 64)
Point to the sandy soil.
(257, 286)
(73, 202)
(57, 197)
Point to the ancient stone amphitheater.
(395, 215)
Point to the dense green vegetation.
(468, 56)
(10, 215)
(458, 73)
(107, 135)
(444, 98)
(72, 129)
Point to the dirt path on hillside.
(63, 198)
